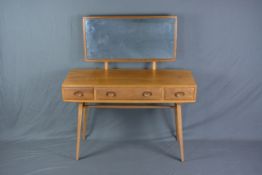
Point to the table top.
(129, 78)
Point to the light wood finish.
(130, 60)
(127, 93)
(129, 17)
(106, 65)
(180, 93)
(84, 126)
(154, 65)
(129, 80)
(78, 132)
(179, 130)
(129, 106)
(86, 59)
(84, 37)
(129, 88)
(78, 93)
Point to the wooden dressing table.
(128, 88)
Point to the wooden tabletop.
(128, 78)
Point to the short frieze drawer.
(180, 93)
(78, 93)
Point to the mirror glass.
(127, 38)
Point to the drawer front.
(128, 93)
(78, 93)
(180, 93)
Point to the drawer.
(128, 93)
(78, 93)
(180, 93)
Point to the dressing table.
(150, 39)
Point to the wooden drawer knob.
(111, 94)
(147, 94)
(79, 94)
(179, 94)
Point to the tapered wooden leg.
(84, 124)
(179, 130)
(78, 132)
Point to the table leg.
(179, 130)
(84, 123)
(78, 133)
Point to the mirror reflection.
(130, 38)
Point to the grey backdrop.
(220, 41)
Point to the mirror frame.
(86, 59)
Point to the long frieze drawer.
(78, 93)
(180, 93)
(128, 93)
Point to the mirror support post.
(106, 65)
(154, 66)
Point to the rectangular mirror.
(116, 38)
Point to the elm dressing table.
(129, 39)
